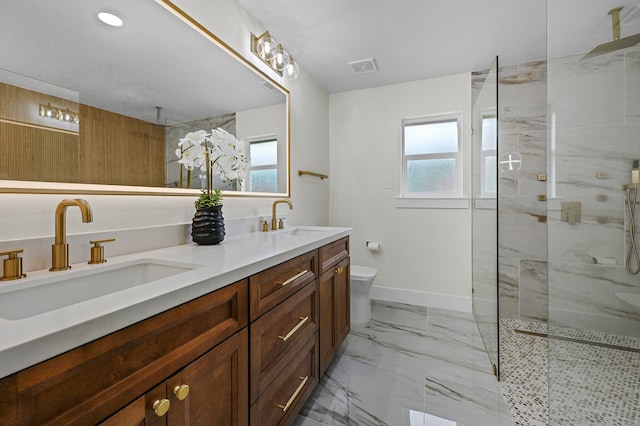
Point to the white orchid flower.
(226, 154)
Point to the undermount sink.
(298, 231)
(58, 291)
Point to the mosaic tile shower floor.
(589, 384)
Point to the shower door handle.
(541, 217)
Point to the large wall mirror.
(90, 108)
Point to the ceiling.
(418, 39)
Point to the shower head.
(617, 43)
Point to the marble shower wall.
(594, 111)
(522, 114)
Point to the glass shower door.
(594, 314)
(484, 212)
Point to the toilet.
(361, 281)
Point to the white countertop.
(25, 342)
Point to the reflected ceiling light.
(110, 19)
(59, 113)
(273, 54)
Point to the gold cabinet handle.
(295, 277)
(339, 270)
(161, 406)
(285, 407)
(294, 329)
(181, 392)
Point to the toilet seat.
(363, 272)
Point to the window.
(432, 157)
(263, 170)
(488, 166)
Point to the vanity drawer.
(333, 253)
(270, 287)
(282, 400)
(279, 334)
(89, 383)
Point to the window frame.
(456, 156)
(486, 153)
(257, 140)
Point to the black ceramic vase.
(208, 226)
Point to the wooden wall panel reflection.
(109, 149)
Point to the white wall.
(266, 122)
(424, 251)
(27, 216)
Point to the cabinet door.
(335, 311)
(141, 411)
(218, 387)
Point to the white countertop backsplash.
(244, 252)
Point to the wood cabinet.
(212, 390)
(284, 340)
(88, 384)
(335, 302)
(279, 334)
(250, 353)
(270, 287)
(285, 396)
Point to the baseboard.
(421, 298)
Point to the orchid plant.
(217, 153)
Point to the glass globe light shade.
(266, 46)
(280, 59)
(292, 70)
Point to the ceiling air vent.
(363, 66)
(267, 86)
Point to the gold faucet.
(60, 250)
(274, 224)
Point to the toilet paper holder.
(372, 245)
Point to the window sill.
(485, 203)
(432, 203)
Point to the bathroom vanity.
(242, 339)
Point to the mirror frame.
(37, 187)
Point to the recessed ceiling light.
(110, 19)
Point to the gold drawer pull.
(294, 329)
(339, 270)
(161, 406)
(181, 392)
(285, 407)
(295, 277)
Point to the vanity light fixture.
(59, 114)
(273, 54)
(292, 70)
(110, 19)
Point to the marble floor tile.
(409, 366)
